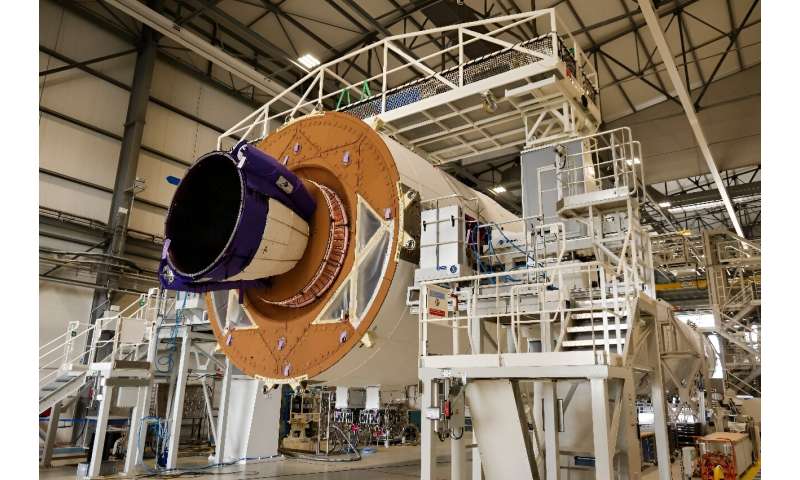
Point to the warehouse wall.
(731, 121)
(89, 159)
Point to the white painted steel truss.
(533, 315)
(521, 94)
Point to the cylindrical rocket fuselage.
(318, 227)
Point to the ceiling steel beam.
(683, 50)
(640, 76)
(417, 5)
(330, 48)
(734, 35)
(200, 46)
(123, 86)
(596, 48)
(733, 25)
(187, 18)
(70, 66)
(112, 28)
(638, 38)
(375, 24)
(277, 62)
(419, 26)
(735, 191)
(109, 134)
(669, 62)
(623, 32)
(209, 12)
(692, 49)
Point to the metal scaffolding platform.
(522, 94)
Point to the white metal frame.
(543, 99)
(621, 301)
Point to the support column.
(207, 399)
(660, 425)
(630, 443)
(101, 425)
(122, 198)
(477, 472)
(537, 415)
(137, 433)
(222, 416)
(177, 401)
(602, 453)
(701, 407)
(551, 449)
(50, 439)
(657, 393)
(427, 456)
(458, 448)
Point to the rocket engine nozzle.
(236, 219)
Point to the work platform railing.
(513, 306)
(676, 250)
(83, 344)
(536, 87)
(608, 161)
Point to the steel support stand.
(137, 433)
(50, 439)
(551, 449)
(660, 424)
(701, 406)
(177, 400)
(427, 456)
(631, 446)
(477, 472)
(206, 397)
(602, 453)
(458, 448)
(222, 416)
(101, 425)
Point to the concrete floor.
(394, 463)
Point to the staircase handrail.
(91, 347)
(746, 294)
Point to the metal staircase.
(100, 354)
(733, 267)
(65, 361)
(587, 331)
(62, 389)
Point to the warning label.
(437, 301)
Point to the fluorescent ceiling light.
(712, 204)
(308, 60)
(665, 204)
(635, 161)
(697, 206)
(498, 189)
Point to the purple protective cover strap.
(264, 174)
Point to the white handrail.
(50, 342)
(65, 343)
(89, 350)
(495, 26)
